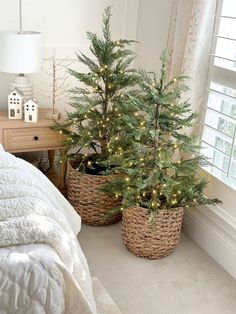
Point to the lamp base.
(22, 83)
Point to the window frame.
(216, 187)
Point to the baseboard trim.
(214, 231)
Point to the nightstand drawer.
(31, 138)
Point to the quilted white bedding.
(42, 267)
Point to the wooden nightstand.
(18, 136)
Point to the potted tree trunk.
(160, 170)
(99, 114)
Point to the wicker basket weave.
(152, 242)
(91, 204)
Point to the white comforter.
(42, 267)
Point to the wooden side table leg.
(63, 168)
(51, 155)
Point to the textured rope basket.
(152, 242)
(91, 204)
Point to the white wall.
(152, 32)
(64, 23)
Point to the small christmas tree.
(55, 86)
(160, 168)
(100, 104)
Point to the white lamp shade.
(20, 52)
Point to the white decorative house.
(15, 101)
(31, 111)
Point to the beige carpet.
(186, 282)
(104, 302)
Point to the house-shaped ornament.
(15, 101)
(31, 111)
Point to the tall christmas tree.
(100, 110)
(160, 168)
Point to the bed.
(42, 267)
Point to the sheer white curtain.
(189, 41)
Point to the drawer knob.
(36, 138)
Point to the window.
(219, 130)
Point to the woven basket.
(152, 242)
(91, 204)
